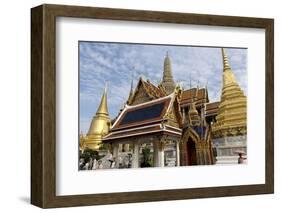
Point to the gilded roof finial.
(131, 94)
(103, 103)
(225, 60)
(132, 86)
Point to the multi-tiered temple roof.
(197, 95)
(152, 117)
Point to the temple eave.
(112, 137)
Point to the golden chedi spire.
(103, 110)
(232, 112)
(168, 80)
(225, 60)
(228, 76)
(100, 124)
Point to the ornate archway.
(196, 150)
(189, 144)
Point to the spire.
(132, 88)
(100, 124)
(225, 60)
(167, 67)
(103, 103)
(232, 110)
(203, 109)
(168, 81)
(228, 76)
(131, 94)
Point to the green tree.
(89, 153)
(146, 158)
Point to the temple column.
(158, 154)
(115, 154)
(208, 157)
(135, 163)
(211, 151)
(178, 153)
(120, 147)
(202, 155)
(161, 155)
(206, 160)
(198, 154)
(155, 154)
(199, 161)
(127, 147)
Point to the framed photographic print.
(136, 106)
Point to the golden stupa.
(99, 126)
(232, 112)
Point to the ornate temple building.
(164, 125)
(196, 141)
(154, 124)
(230, 129)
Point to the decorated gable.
(146, 91)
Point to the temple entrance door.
(191, 152)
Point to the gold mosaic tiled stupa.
(99, 126)
(232, 112)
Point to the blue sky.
(119, 63)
